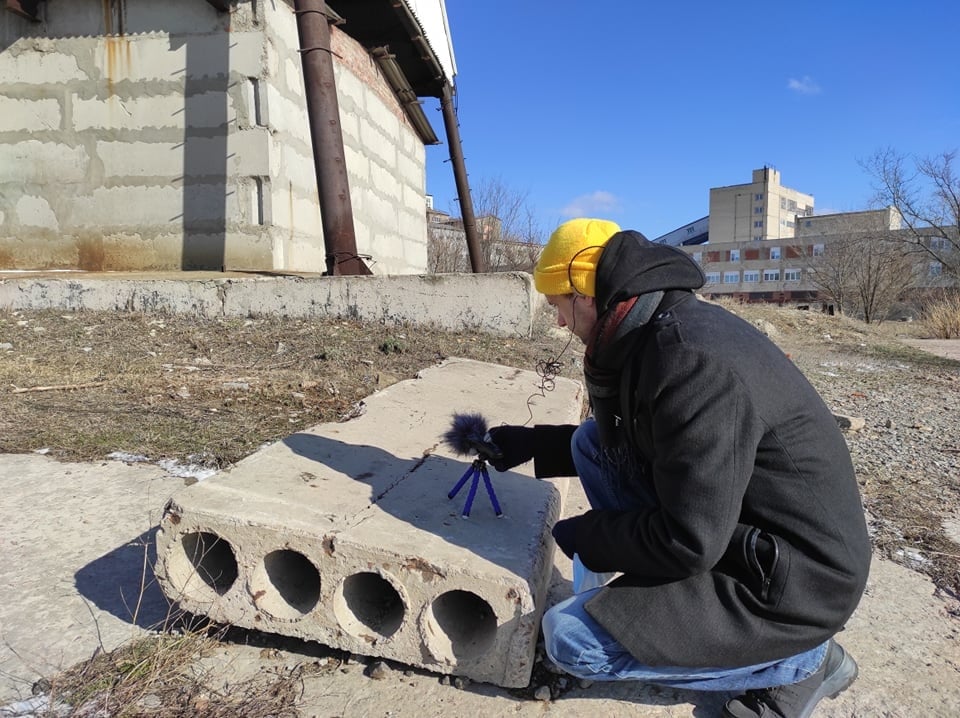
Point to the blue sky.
(631, 110)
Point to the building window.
(698, 257)
(758, 196)
(758, 223)
(789, 223)
(791, 275)
(758, 210)
(758, 238)
(807, 223)
(751, 275)
(771, 275)
(935, 269)
(713, 277)
(818, 250)
(774, 252)
(939, 244)
(731, 277)
(734, 255)
(783, 203)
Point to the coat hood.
(632, 265)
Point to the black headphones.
(577, 292)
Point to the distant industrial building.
(759, 240)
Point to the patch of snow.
(186, 471)
(127, 457)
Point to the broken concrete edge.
(499, 303)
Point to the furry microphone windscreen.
(466, 432)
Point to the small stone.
(889, 423)
(150, 701)
(461, 683)
(444, 680)
(542, 694)
(41, 687)
(6, 347)
(378, 670)
(551, 667)
(850, 423)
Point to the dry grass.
(204, 391)
(942, 316)
(159, 676)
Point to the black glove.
(515, 444)
(565, 534)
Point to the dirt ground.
(84, 386)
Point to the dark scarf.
(608, 347)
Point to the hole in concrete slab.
(368, 602)
(287, 584)
(208, 557)
(459, 625)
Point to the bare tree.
(862, 266)
(830, 268)
(882, 274)
(926, 192)
(510, 236)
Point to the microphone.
(468, 435)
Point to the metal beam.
(29, 9)
(460, 177)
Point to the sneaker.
(797, 700)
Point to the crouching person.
(723, 498)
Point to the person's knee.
(561, 651)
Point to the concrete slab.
(344, 533)
(76, 542)
(948, 348)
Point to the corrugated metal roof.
(394, 25)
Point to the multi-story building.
(779, 270)
(761, 240)
(760, 210)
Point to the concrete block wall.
(385, 158)
(344, 534)
(168, 137)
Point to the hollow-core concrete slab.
(345, 534)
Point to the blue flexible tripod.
(476, 471)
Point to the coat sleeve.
(705, 430)
(552, 455)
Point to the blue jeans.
(582, 647)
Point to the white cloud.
(592, 204)
(804, 86)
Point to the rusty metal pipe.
(326, 134)
(460, 177)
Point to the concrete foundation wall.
(177, 138)
(502, 303)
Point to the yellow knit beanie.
(571, 255)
